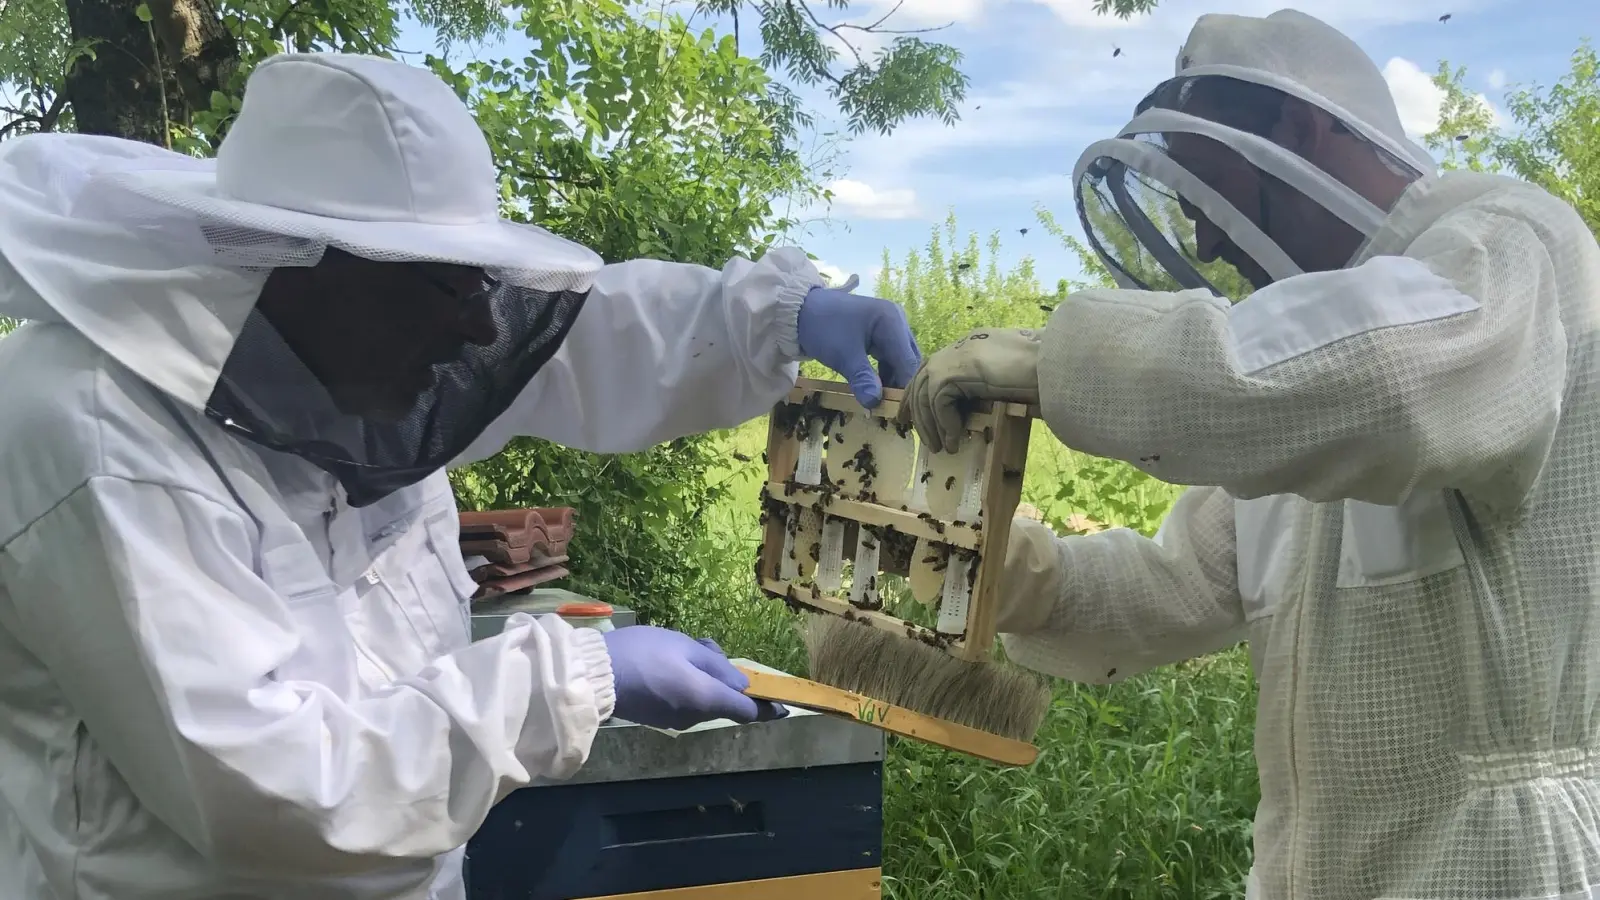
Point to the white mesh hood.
(159, 258)
(1141, 198)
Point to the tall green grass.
(1143, 789)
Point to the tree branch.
(58, 105)
(829, 29)
(14, 124)
(835, 30)
(48, 117)
(875, 27)
(559, 179)
(43, 121)
(282, 18)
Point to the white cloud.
(1415, 95)
(836, 276)
(862, 200)
(1497, 79)
(1417, 98)
(830, 272)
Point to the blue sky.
(1045, 84)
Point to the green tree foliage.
(1555, 142)
(638, 136)
(37, 53)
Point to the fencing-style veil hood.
(1151, 200)
(159, 258)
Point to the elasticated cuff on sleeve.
(796, 278)
(596, 661)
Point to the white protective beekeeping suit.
(1396, 493)
(234, 671)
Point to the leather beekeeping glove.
(990, 364)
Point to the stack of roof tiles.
(509, 551)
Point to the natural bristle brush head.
(992, 697)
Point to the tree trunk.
(198, 47)
(135, 87)
(120, 92)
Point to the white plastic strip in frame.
(918, 501)
(957, 596)
(830, 561)
(970, 508)
(809, 468)
(864, 579)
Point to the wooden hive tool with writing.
(850, 498)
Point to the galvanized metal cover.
(624, 751)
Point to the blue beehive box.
(771, 811)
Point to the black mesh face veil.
(268, 396)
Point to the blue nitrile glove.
(666, 679)
(842, 330)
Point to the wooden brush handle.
(823, 698)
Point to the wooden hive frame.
(808, 520)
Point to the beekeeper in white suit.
(234, 652)
(1393, 448)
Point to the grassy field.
(1144, 789)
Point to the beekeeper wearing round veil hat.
(233, 608)
(1378, 384)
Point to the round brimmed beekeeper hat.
(159, 257)
(1131, 193)
(369, 155)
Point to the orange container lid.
(584, 610)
